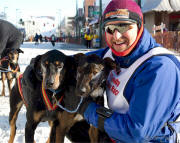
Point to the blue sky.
(24, 8)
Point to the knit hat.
(123, 10)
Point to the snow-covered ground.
(42, 131)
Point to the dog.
(57, 74)
(44, 76)
(91, 75)
(10, 36)
(10, 66)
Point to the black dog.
(44, 76)
(91, 75)
(43, 72)
(10, 65)
(10, 36)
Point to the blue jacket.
(153, 93)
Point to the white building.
(44, 25)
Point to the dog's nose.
(83, 90)
(49, 83)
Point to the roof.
(161, 5)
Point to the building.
(44, 25)
(157, 12)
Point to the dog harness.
(19, 81)
(48, 99)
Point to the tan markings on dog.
(78, 117)
(16, 56)
(93, 133)
(38, 115)
(56, 83)
(3, 84)
(46, 62)
(13, 123)
(10, 77)
(57, 63)
(66, 120)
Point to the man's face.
(118, 39)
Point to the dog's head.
(92, 72)
(51, 68)
(13, 56)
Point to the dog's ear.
(5, 52)
(36, 65)
(70, 63)
(20, 51)
(79, 58)
(110, 65)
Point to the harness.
(19, 81)
(48, 100)
(7, 70)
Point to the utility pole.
(76, 18)
(5, 15)
(100, 23)
(17, 17)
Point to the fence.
(169, 40)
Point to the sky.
(16, 9)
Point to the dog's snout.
(92, 83)
(83, 90)
(49, 82)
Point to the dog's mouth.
(50, 85)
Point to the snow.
(42, 131)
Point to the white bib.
(116, 82)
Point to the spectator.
(53, 40)
(36, 39)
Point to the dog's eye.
(46, 63)
(57, 63)
(95, 72)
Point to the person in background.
(88, 37)
(10, 36)
(40, 38)
(144, 96)
(36, 39)
(53, 40)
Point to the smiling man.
(144, 97)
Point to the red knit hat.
(123, 10)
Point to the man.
(144, 101)
(10, 37)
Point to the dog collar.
(48, 100)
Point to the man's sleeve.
(154, 90)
